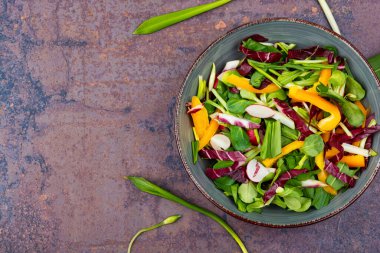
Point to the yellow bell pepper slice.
(200, 118)
(284, 151)
(209, 133)
(353, 160)
(322, 176)
(324, 77)
(243, 83)
(326, 124)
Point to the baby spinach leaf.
(257, 46)
(279, 94)
(222, 164)
(354, 88)
(279, 202)
(259, 203)
(292, 203)
(234, 191)
(305, 204)
(248, 95)
(309, 192)
(313, 145)
(337, 80)
(292, 134)
(321, 198)
(236, 105)
(242, 207)
(239, 138)
(224, 183)
(288, 76)
(256, 79)
(247, 192)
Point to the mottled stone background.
(83, 102)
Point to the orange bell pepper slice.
(331, 153)
(326, 136)
(243, 83)
(200, 118)
(322, 176)
(284, 151)
(326, 124)
(209, 133)
(353, 160)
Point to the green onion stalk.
(146, 186)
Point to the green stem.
(167, 221)
(326, 9)
(148, 187)
(157, 23)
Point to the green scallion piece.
(157, 23)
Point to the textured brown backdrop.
(83, 102)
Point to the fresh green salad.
(282, 126)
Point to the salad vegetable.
(284, 126)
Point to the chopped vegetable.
(210, 131)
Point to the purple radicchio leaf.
(302, 54)
(222, 155)
(256, 37)
(281, 181)
(261, 56)
(288, 111)
(217, 173)
(334, 171)
(244, 69)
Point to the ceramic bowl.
(224, 49)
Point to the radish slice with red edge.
(311, 183)
(256, 171)
(220, 142)
(260, 111)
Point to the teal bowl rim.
(176, 125)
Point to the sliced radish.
(231, 65)
(232, 120)
(195, 109)
(284, 119)
(256, 171)
(311, 183)
(260, 111)
(220, 142)
(211, 80)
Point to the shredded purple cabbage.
(244, 69)
(222, 155)
(256, 37)
(281, 181)
(216, 173)
(261, 56)
(288, 111)
(302, 54)
(334, 171)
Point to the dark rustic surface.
(83, 102)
